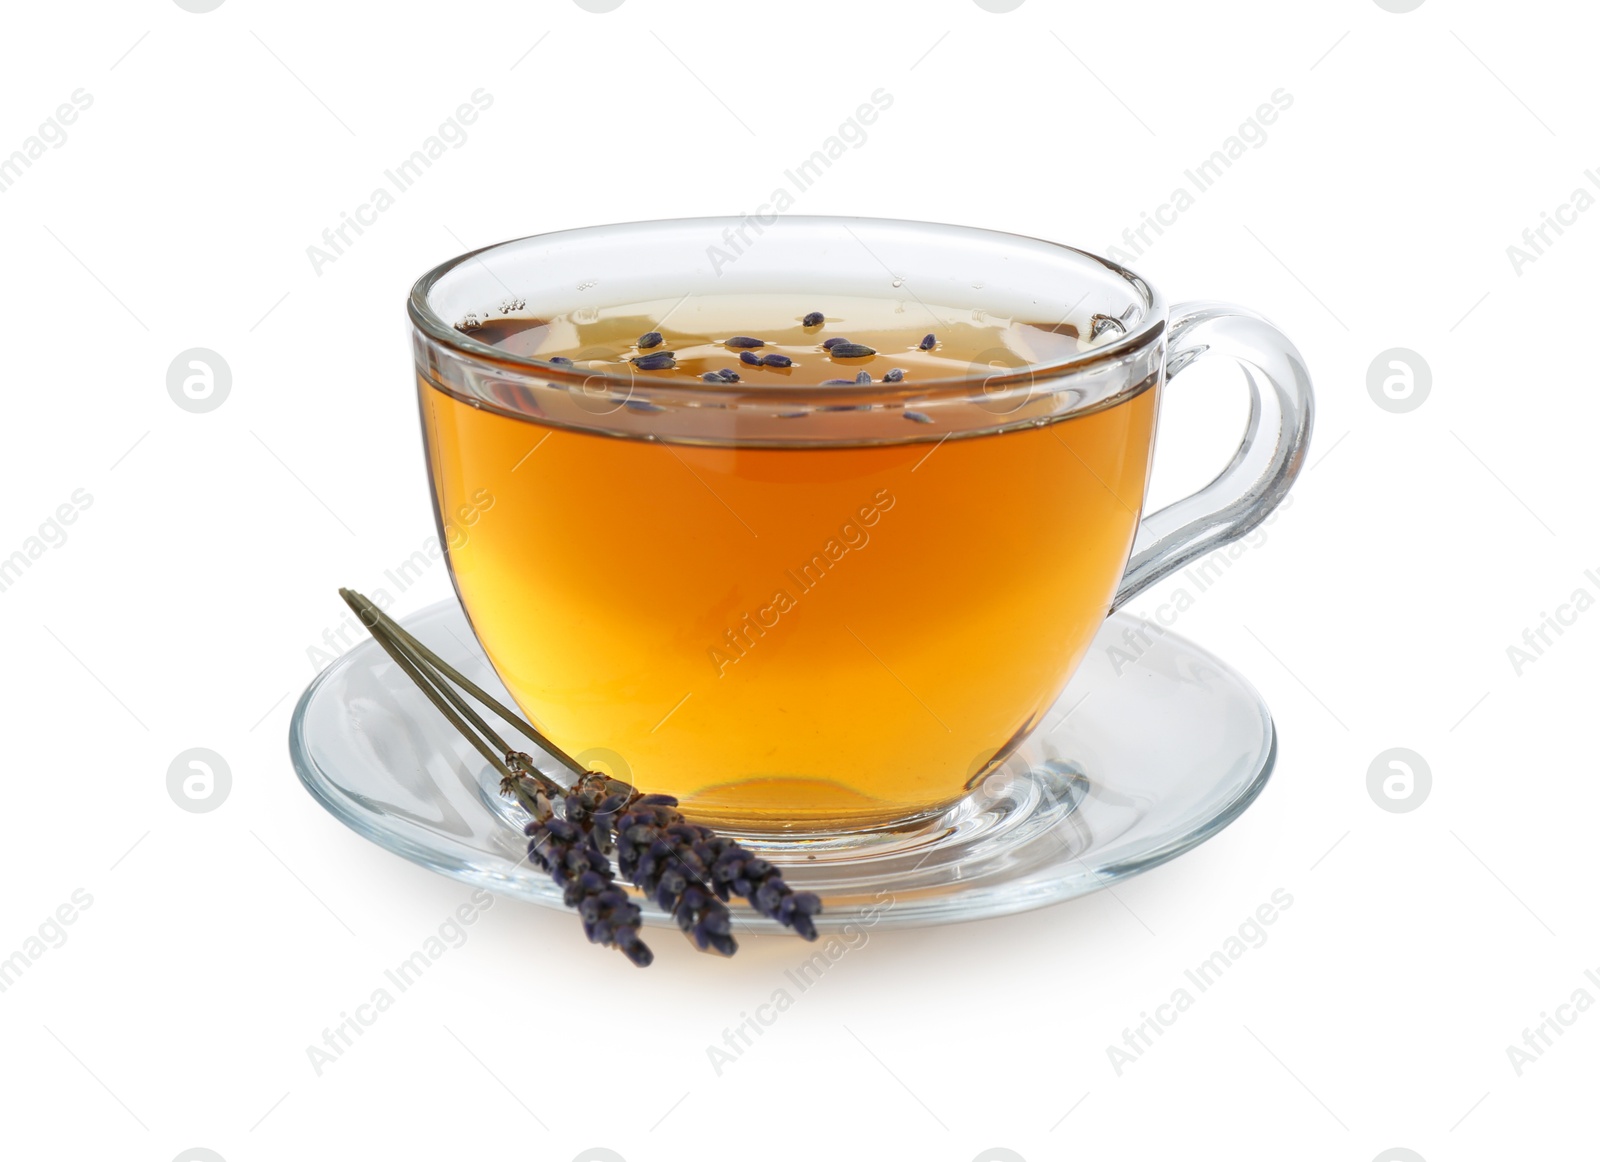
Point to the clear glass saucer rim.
(957, 900)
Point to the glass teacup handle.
(1268, 458)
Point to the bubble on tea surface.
(199, 380)
(1399, 380)
(1399, 780)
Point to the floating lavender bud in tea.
(848, 350)
(660, 361)
(750, 357)
(838, 383)
(559, 361)
(830, 344)
(928, 342)
(894, 375)
(919, 418)
(770, 360)
(864, 377)
(728, 375)
(712, 377)
(744, 341)
(814, 319)
(649, 339)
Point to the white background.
(179, 613)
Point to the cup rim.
(461, 343)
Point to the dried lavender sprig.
(655, 843)
(735, 870)
(583, 874)
(659, 859)
(728, 866)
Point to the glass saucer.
(1140, 759)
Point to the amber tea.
(786, 636)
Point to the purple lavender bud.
(813, 319)
(894, 375)
(928, 342)
(750, 357)
(775, 360)
(830, 344)
(649, 339)
(864, 377)
(744, 341)
(562, 848)
(660, 361)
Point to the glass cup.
(817, 610)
